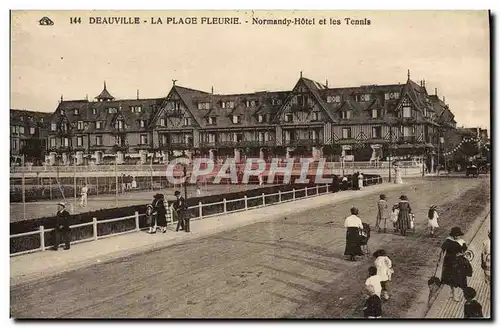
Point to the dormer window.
(425, 112)
(79, 125)
(365, 97)
(119, 124)
(142, 123)
(76, 111)
(187, 121)
(162, 122)
(228, 104)
(94, 111)
(98, 125)
(316, 116)
(346, 115)
(333, 99)
(204, 105)
(236, 119)
(375, 113)
(21, 118)
(391, 95)
(212, 120)
(41, 120)
(136, 109)
(288, 118)
(53, 126)
(260, 118)
(406, 109)
(62, 111)
(112, 110)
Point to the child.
(150, 215)
(373, 305)
(433, 219)
(394, 216)
(384, 271)
(373, 281)
(472, 308)
(434, 287)
(382, 213)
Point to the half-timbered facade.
(359, 123)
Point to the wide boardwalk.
(283, 267)
(49, 207)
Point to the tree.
(33, 150)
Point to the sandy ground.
(287, 267)
(49, 207)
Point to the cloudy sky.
(449, 49)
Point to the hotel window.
(212, 120)
(21, 129)
(346, 133)
(62, 111)
(80, 125)
(288, 135)
(211, 137)
(346, 115)
(365, 97)
(237, 137)
(79, 141)
(144, 139)
(260, 118)
(118, 140)
(66, 142)
(142, 123)
(425, 112)
(187, 121)
(204, 105)
(375, 113)
(236, 119)
(391, 95)
(261, 136)
(406, 112)
(333, 99)
(314, 135)
(406, 131)
(288, 118)
(112, 110)
(228, 104)
(41, 120)
(177, 105)
(316, 116)
(21, 118)
(32, 130)
(162, 122)
(77, 112)
(136, 109)
(14, 144)
(119, 124)
(52, 142)
(376, 132)
(53, 126)
(98, 125)
(94, 111)
(98, 140)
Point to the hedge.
(19, 244)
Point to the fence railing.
(295, 195)
(162, 167)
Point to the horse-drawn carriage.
(472, 170)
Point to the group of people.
(159, 213)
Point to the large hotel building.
(313, 119)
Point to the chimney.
(137, 94)
(435, 91)
(173, 82)
(327, 83)
(300, 74)
(61, 98)
(423, 83)
(444, 99)
(87, 97)
(212, 89)
(408, 74)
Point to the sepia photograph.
(250, 164)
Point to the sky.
(447, 49)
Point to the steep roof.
(105, 95)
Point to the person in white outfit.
(360, 181)
(384, 271)
(85, 190)
(397, 172)
(433, 219)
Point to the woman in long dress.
(433, 219)
(397, 173)
(404, 215)
(382, 213)
(354, 226)
(161, 213)
(453, 273)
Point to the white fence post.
(293, 193)
(263, 199)
(225, 205)
(306, 192)
(327, 189)
(279, 196)
(200, 210)
(246, 202)
(42, 238)
(95, 228)
(317, 190)
(137, 221)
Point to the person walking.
(179, 209)
(84, 192)
(404, 215)
(62, 229)
(360, 181)
(161, 212)
(454, 273)
(472, 308)
(486, 259)
(382, 213)
(151, 218)
(433, 219)
(384, 270)
(354, 226)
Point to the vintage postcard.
(250, 164)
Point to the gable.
(174, 109)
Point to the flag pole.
(116, 180)
(23, 188)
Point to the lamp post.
(390, 152)
(185, 182)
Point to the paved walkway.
(34, 266)
(444, 306)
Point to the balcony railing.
(180, 145)
(235, 144)
(407, 139)
(303, 142)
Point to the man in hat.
(179, 208)
(62, 230)
(85, 190)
